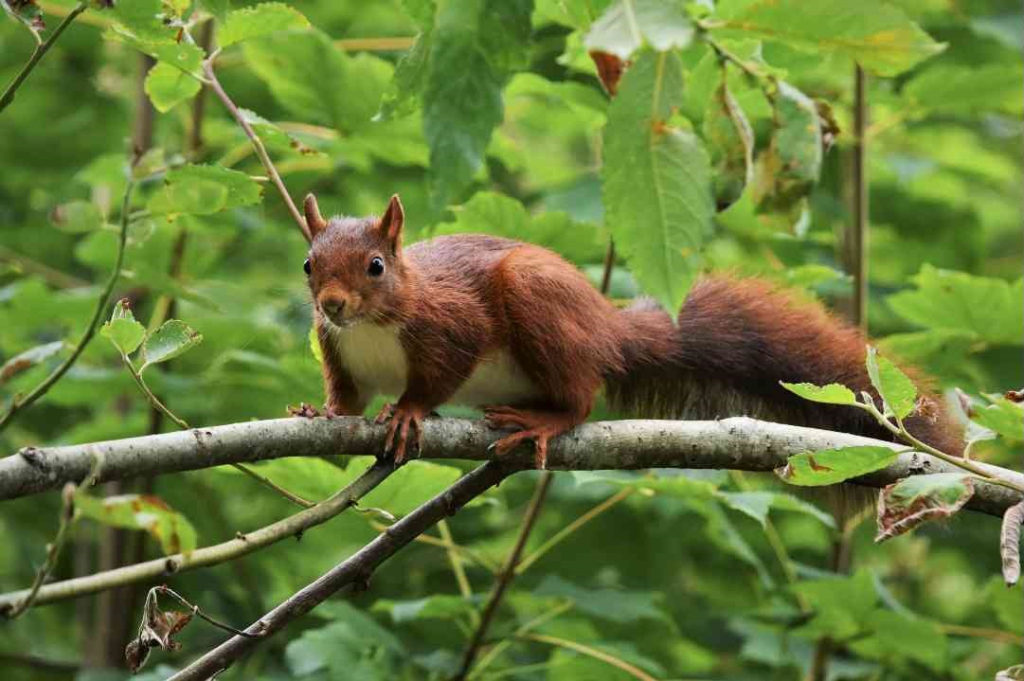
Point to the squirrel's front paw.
(304, 410)
(401, 418)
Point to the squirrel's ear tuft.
(391, 224)
(314, 220)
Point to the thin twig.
(164, 589)
(502, 645)
(431, 540)
(453, 557)
(355, 570)
(195, 132)
(19, 403)
(257, 144)
(859, 200)
(8, 96)
(506, 575)
(206, 556)
(607, 658)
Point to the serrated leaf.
(1003, 417)
(122, 330)
(791, 166)
(628, 24)
(829, 466)
(141, 512)
(833, 393)
(167, 86)
(259, 20)
(876, 35)
(205, 189)
(273, 136)
(173, 338)
(731, 144)
(985, 306)
(656, 181)
(24, 361)
(895, 388)
(906, 504)
(352, 646)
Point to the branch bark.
(737, 443)
(355, 570)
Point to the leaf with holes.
(173, 338)
(656, 181)
(897, 391)
(833, 393)
(122, 330)
(141, 512)
(906, 504)
(829, 466)
(628, 24)
(259, 20)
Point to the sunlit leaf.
(173, 338)
(259, 20)
(167, 86)
(141, 512)
(122, 330)
(829, 466)
(628, 24)
(832, 393)
(895, 388)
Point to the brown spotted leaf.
(908, 503)
(141, 512)
(829, 466)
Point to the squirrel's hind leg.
(530, 424)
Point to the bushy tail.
(734, 342)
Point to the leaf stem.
(101, 304)
(38, 54)
(607, 658)
(164, 589)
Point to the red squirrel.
(516, 330)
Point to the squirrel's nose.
(333, 307)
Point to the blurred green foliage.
(488, 116)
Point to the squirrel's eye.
(306, 267)
(376, 267)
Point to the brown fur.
(457, 299)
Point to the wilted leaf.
(894, 387)
(790, 167)
(28, 359)
(656, 181)
(906, 504)
(1009, 543)
(173, 338)
(627, 24)
(731, 143)
(259, 20)
(833, 393)
(168, 86)
(141, 512)
(877, 35)
(122, 330)
(829, 466)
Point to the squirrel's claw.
(402, 420)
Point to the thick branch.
(735, 443)
(208, 555)
(355, 570)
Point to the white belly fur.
(376, 360)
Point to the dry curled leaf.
(1009, 543)
(136, 654)
(609, 69)
(906, 504)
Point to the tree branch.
(208, 555)
(41, 49)
(357, 569)
(738, 443)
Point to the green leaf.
(841, 605)
(437, 607)
(656, 181)
(791, 166)
(274, 136)
(474, 46)
(833, 393)
(143, 18)
(911, 501)
(409, 80)
(988, 307)
(627, 24)
(352, 646)
(259, 20)
(876, 35)
(122, 330)
(24, 361)
(77, 217)
(204, 190)
(173, 338)
(731, 143)
(897, 636)
(608, 604)
(314, 345)
(168, 86)
(218, 8)
(829, 466)
(165, 48)
(895, 388)
(500, 215)
(758, 504)
(141, 512)
(967, 89)
(1003, 417)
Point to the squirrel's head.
(355, 268)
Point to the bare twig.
(164, 589)
(208, 555)
(41, 49)
(356, 570)
(859, 235)
(19, 403)
(257, 144)
(500, 647)
(508, 572)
